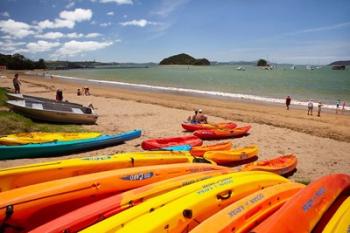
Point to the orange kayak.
(193, 127)
(302, 212)
(97, 211)
(245, 213)
(234, 155)
(33, 205)
(159, 143)
(281, 165)
(222, 133)
(200, 150)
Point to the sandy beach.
(322, 144)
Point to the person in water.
(59, 95)
(288, 101)
(17, 84)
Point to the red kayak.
(193, 127)
(222, 133)
(158, 143)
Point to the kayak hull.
(159, 143)
(193, 127)
(200, 150)
(213, 134)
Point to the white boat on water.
(292, 67)
(240, 68)
(52, 112)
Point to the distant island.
(339, 65)
(184, 59)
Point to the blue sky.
(299, 31)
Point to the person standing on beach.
(288, 101)
(17, 84)
(319, 109)
(337, 104)
(59, 95)
(310, 107)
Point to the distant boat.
(53, 112)
(12, 96)
(240, 68)
(309, 67)
(292, 67)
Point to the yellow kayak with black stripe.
(42, 137)
(15, 177)
(181, 208)
(340, 221)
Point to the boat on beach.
(12, 96)
(52, 112)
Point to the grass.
(11, 122)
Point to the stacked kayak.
(281, 165)
(200, 150)
(193, 127)
(21, 176)
(212, 134)
(31, 206)
(64, 147)
(41, 137)
(227, 157)
(302, 212)
(159, 143)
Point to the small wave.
(198, 92)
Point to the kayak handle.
(224, 195)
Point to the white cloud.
(70, 5)
(74, 47)
(15, 29)
(41, 46)
(119, 2)
(319, 29)
(67, 19)
(138, 23)
(50, 35)
(168, 6)
(77, 15)
(5, 14)
(105, 24)
(111, 13)
(93, 35)
(75, 35)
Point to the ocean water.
(322, 84)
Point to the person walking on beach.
(288, 101)
(310, 107)
(59, 95)
(17, 84)
(337, 104)
(319, 109)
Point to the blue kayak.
(66, 147)
(185, 147)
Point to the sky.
(289, 31)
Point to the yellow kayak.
(246, 213)
(16, 177)
(340, 221)
(41, 137)
(177, 209)
(234, 155)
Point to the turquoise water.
(323, 84)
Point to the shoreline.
(194, 92)
(329, 125)
(275, 130)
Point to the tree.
(40, 64)
(261, 62)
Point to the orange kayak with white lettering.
(302, 212)
(33, 205)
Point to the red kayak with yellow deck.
(159, 143)
(212, 134)
(222, 125)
